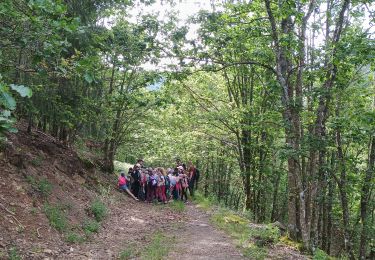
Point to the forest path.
(198, 239)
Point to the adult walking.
(136, 176)
(192, 178)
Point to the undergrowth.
(99, 210)
(177, 205)
(129, 252)
(42, 186)
(158, 248)
(91, 226)
(202, 202)
(56, 217)
(254, 240)
(13, 254)
(74, 238)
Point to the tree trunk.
(365, 197)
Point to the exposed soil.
(76, 182)
(198, 239)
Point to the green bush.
(99, 210)
(130, 252)
(44, 187)
(158, 247)
(321, 255)
(265, 235)
(13, 254)
(91, 226)
(56, 217)
(177, 205)
(255, 252)
(74, 238)
(37, 161)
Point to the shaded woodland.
(272, 100)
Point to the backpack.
(135, 176)
(167, 181)
(153, 180)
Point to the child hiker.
(122, 184)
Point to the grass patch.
(202, 202)
(177, 205)
(91, 226)
(255, 252)
(158, 247)
(74, 238)
(99, 210)
(291, 243)
(14, 254)
(321, 255)
(129, 252)
(253, 239)
(43, 186)
(37, 161)
(56, 217)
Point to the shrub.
(56, 217)
(98, 209)
(44, 187)
(255, 252)
(265, 235)
(91, 226)
(177, 205)
(158, 247)
(321, 255)
(74, 238)
(37, 161)
(13, 254)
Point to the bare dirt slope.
(37, 170)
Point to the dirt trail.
(198, 239)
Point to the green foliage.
(8, 104)
(37, 161)
(255, 252)
(129, 252)
(253, 239)
(56, 217)
(177, 205)
(126, 254)
(14, 254)
(42, 186)
(202, 202)
(91, 226)
(74, 238)
(262, 236)
(321, 255)
(98, 209)
(158, 247)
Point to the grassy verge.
(158, 248)
(203, 202)
(254, 240)
(57, 216)
(177, 205)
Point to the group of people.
(159, 184)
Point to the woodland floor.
(129, 229)
(200, 240)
